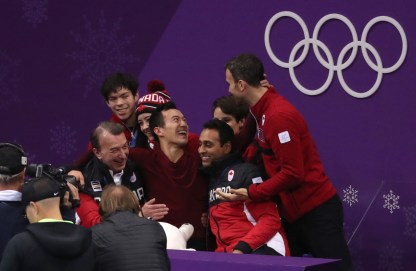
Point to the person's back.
(49, 243)
(13, 162)
(50, 246)
(125, 241)
(13, 213)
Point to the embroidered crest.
(230, 175)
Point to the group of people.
(252, 182)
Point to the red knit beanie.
(157, 95)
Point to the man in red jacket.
(249, 227)
(307, 200)
(121, 92)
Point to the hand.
(154, 211)
(264, 82)
(234, 195)
(78, 175)
(204, 219)
(75, 195)
(236, 251)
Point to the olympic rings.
(329, 64)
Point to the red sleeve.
(289, 157)
(88, 211)
(267, 223)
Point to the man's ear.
(242, 85)
(136, 97)
(97, 153)
(241, 122)
(227, 147)
(158, 131)
(34, 206)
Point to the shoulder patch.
(284, 137)
(257, 180)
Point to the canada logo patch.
(284, 137)
(230, 175)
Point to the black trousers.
(320, 233)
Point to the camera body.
(56, 174)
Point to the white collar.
(10, 195)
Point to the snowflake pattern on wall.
(8, 81)
(350, 195)
(391, 258)
(63, 140)
(34, 11)
(410, 214)
(391, 201)
(102, 51)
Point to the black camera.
(56, 174)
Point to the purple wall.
(54, 55)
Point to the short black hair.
(246, 67)
(231, 106)
(116, 81)
(157, 120)
(225, 132)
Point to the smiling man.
(109, 166)
(171, 171)
(239, 227)
(308, 201)
(121, 93)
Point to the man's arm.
(154, 211)
(267, 225)
(284, 137)
(88, 211)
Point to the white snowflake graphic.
(350, 195)
(34, 11)
(391, 258)
(391, 201)
(410, 214)
(102, 51)
(8, 81)
(63, 140)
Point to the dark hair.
(231, 106)
(225, 132)
(116, 81)
(246, 67)
(105, 126)
(117, 198)
(157, 120)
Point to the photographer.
(13, 162)
(68, 186)
(50, 242)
